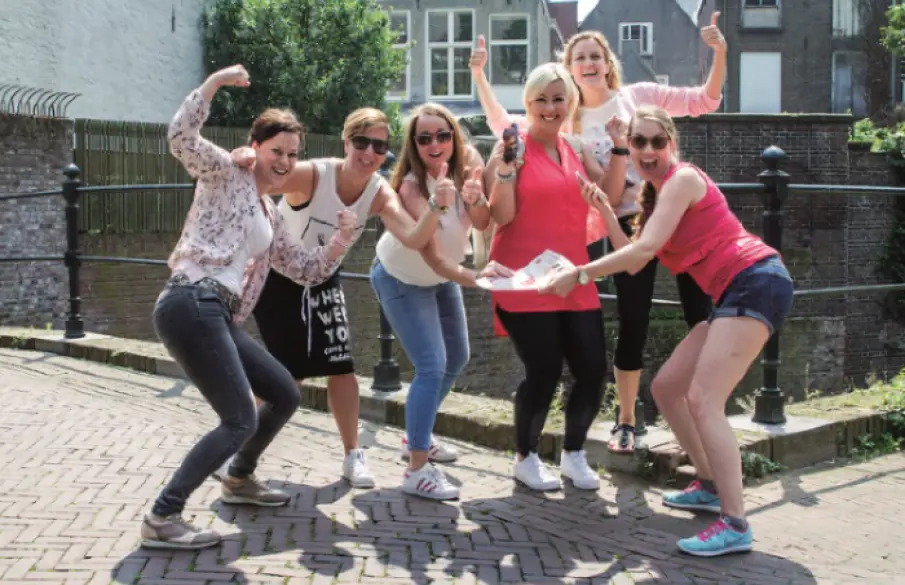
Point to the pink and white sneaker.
(429, 482)
(438, 452)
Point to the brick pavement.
(86, 447)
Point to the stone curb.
(659, 460)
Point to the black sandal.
(625, 435)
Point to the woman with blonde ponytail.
(596, 71)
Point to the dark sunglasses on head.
(426, 139)
(362, 143)
(658, 142)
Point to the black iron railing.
(774, 185)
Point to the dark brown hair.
(648, 198)
(272, 122)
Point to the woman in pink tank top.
(537, 207)
(688, 225)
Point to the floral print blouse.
(221, 215)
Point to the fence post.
(386, 370)
(75, 328)
(769, 404)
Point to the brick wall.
(33, 152)
(829, 240)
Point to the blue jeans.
(429, 322)
(763, 291)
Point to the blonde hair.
(362, 120)
(410, 160)
(660, 117)
(613, 77)
(542, 76)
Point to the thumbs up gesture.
(473, 189)
(445, 193)
(711, 34)
(478, 56)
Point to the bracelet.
(341, 241)
(620, 151)
(480, 202)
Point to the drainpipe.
(892, 76)
(725, 15)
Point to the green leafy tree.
(321, 58)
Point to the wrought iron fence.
(774, 185)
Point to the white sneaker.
(437, 453)
(356, 470)
(429, 482)
(532, 472)
(574, 465)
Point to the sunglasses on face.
(380, 147)
(426, 139)
(658, 142)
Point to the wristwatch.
(432, 203)
(620, 151)
(583, 277)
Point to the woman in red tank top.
(688, 225)
(537, 206)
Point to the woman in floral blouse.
(231, 238)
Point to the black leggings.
(227, 366)
(634, 293)
(542, 341)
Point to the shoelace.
(714, 529)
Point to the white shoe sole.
(430, 496)
(405, 456)
(362, 484)
(545, 488)
(693, 507)
(739, 548)
(582, 485)
(164, 545)
(252, 502)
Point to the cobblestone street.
(86, 447)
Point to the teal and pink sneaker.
(718, 539)
(694, 498)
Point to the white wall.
(123, 56)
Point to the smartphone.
(581, 180)
(510, 144)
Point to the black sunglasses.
(362, 142)
(658, 142)
(426, 139)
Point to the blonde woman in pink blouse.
(231, 238)
(596, 71)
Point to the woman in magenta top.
(595, 68)
(687, 224)
(537, 206)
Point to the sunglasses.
(658, 142)
(363, 142)
(442, 137)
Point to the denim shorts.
(763, 291)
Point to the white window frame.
(847, 18)
(508, 43)
(428, 45)
(662, 79)
(408, 57)
(650, 36)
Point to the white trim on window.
(408, 57)
(451, 46)
(627, 30)
(491, 43)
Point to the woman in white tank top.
(419, 290)
(306, 328)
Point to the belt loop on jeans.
(232, 301)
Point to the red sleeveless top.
(710, 243)
(550, 214)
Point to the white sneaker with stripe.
(429, 482)
(437, 453)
